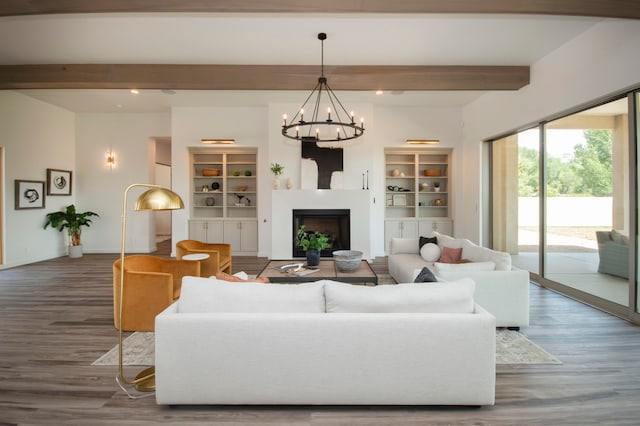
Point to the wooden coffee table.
(327, 271)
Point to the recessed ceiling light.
(134, 91)
(379, 92)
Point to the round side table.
(195, 256)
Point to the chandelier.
(339, 125)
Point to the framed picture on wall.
(58, 182)
(29, 194)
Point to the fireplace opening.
(335, 224)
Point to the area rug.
(511, 348)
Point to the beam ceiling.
(261, 77)
(602, 8)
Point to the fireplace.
(334, 223)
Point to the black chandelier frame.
(343, 121)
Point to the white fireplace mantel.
(284, 201)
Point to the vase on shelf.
(289, 183)
(313, 257)
(276, 182)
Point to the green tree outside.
(588, 173)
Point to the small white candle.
(284, 119)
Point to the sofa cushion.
(619, 237)
(430, 252)
(450, 297)
(471, 266)
(404, 246)
(451, 255)
(425, 276)
(474, 252)
(447, 241)
(200, 295)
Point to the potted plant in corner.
(277, 170)
(73, 221)
(313, 243)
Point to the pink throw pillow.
(451, 255)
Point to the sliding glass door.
(587, 202)
(564, 204)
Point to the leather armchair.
(219, 256)
(150, 285)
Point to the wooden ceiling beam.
(603, 8)
(261, 77)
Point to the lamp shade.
(159, 199)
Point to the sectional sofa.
(501, 288)
(325, 343)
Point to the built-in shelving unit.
(224, 197)
(418, 188)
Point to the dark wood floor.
(56, 319)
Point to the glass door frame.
(629, 312)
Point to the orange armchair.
(150, 285)
(219, 256)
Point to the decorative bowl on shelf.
(432, 172)
(347, 260)
(242, 188)
(210, 172)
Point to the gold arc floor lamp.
(156, 198)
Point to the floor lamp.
(156, 198)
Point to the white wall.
(36, 136)
(99, 189)
(261, 127)
(248, 126)
(601, 61)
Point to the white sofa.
(325, 343)
(503, 290)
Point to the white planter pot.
(75, 251)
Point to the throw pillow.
(472, 266)
(451, 297)
(425, 276)
(430, 252)
(451, 255)
(204, 295)
(426, 240)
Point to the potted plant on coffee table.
(72, 221)
(313, 243)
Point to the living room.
(595, 62)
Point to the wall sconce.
(422, 141)
(111, 160)
(218, 141)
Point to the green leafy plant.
(277, 169)
(436, 184)
(311, 240)
(71, 220)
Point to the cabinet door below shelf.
(242, 235)
(207, 231)
(399, 229)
